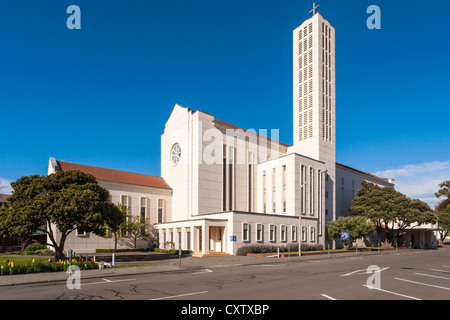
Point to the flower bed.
(9, 267)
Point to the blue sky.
(101, 95)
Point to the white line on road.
(204, 271)
(350, 273)
(430, 275)
(180, 295)
(397, 294)
(423, 284)
(444, 271)
(446, 266)
(328, 297)
(106, 281)
(362, 271)
(226, 265)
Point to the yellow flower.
(32, 261)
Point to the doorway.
(216, 239)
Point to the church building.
(223, 187)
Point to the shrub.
(36, 246)
(264, 248)
(123, 250)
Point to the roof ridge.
(114, 175)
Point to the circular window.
(175, 153)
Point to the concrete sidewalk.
(163, 264)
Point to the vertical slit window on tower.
(250, 186)
(224, 180)
(264, 192)
(230, 186)
(284, 188)
(302, 188)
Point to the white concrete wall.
(348, 182)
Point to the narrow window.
(294, 233)
(272, 232)
(312, 233)
(245, 235)
(160, 210)
(259, 232)
(283, 232)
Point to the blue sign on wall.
(345, 235)
(233, 238)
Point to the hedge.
(264, 248)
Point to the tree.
(357, 226)
(443, 210)
(445, 189)
(443, 221)
(390, 210)
(116, 229)
(137, 228)
(58, 204)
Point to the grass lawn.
(21, 260)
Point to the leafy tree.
(443, 211)
(445, 189)
(137, 228)
(357, 226)
(58, 204)
(390, 210)
(116, 229)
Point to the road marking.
(328, 297)
(226, 265)
(180, 295)
(204, 271)
(430, 275)
(350, 273)
(444, 271)
(446, 266)
(395, 293)
(106, 281)
(423, 284)
(363, 271)
(271, 265)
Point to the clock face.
(175, 154)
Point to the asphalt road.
(406, 275)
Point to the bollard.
(179, 259)
(70, 259)
(278, 252)
(113, 260)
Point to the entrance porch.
(201, 237)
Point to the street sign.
(345, 235)
(233, 238)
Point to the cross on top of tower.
(313, 11)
